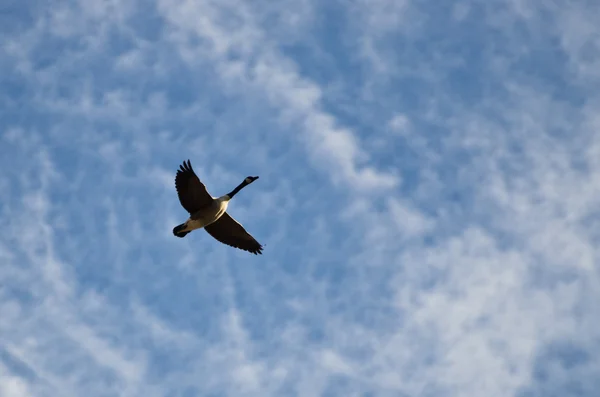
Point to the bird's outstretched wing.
(192, 193)
(228, 231)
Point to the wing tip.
(185, 167)
(258, 250)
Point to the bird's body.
(210, 212)
(206, 215)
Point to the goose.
(209, 212)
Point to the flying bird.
(209, 212)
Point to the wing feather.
(228, 231)
(191, 192)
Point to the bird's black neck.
(237, 189)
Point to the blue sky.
(429, 198)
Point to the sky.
(429, 198)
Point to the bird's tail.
(177, 230)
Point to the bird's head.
(250, 179)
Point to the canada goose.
(208, 212)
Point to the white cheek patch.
(248, 180)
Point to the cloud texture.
(429, 198)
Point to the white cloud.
(454, 283)
(336, 148)
(336, 364)
(12, 386)
(399, 123)
(580, 39)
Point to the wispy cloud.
(428, 198)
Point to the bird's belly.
(193, 224)
(202, 219)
